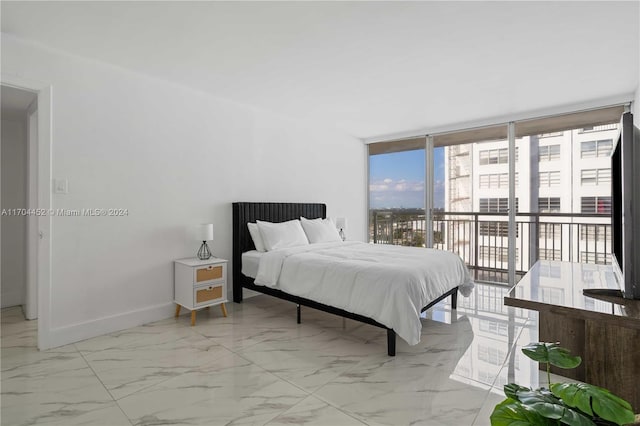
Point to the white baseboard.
(12, 298)
(74, 333)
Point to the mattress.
(390, 284)
(251, 262)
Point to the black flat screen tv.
(625, 206)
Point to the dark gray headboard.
(244, 212)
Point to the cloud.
(402, 185)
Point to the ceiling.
(369, 68)
(15, 102)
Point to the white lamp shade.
(205, 232)
(341, 222)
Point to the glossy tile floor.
(259, 367)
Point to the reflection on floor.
(259, 367)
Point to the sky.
(396, 180)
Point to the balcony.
(481, 239)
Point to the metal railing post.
(476, 236)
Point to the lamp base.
(204, 253)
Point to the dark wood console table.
(603, 330)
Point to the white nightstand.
(200, 284)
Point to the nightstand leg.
(178, 310)
(193, 318)
(224, 309)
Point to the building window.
(495, 180)
(496, 254)
(591, 149)
(549, 254)
(595, 176)
(549, 205)
(549, 153)
(495, 229)
(548, 179)
(495, 156)
(550, 231)
(596, 205)
(597, 258)
(495, 205)
(595, 233)
(604, 127)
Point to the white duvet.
(390, 284)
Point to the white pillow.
(320, 230)
(282, 235)
(256, 236)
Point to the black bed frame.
(244, 212)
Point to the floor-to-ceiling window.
(554, 203)
(397, 193)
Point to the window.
(549, 205)
(495, 180)
(498, 229)
(549, 254)
(588, 129)
(548, 179)
(597, 258)
(595, 176)
(594, 233)
(591, 149)
(550, 135)
(552, 231)
(495, 205)
(496, 254)
(549, 153)
(596, 205)
(495, 156)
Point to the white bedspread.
(390, 284)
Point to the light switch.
(61, 186)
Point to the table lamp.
(341, 224)
(205, 233)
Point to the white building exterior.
(567, 173)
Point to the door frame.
(42, 264)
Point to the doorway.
(28, 103)
(17, 182)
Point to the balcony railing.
(481, 239)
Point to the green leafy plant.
(574, 404)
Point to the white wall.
(13, 191)
(174, 158)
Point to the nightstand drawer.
(209, 273)
(207, 294)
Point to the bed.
(333, 255)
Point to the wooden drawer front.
(208, 294)
(209, 273)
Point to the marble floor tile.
(134, 366)
(311, 360)
(258, 366)
(65, 392)
(230, 391)
(314, 412)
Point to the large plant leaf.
(548, 405)
(511, 390)
(512, 413)
(605, 404)
(552, 353)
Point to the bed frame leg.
(299, 316)
(454, 300)
(237, 295)
(391, 342)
